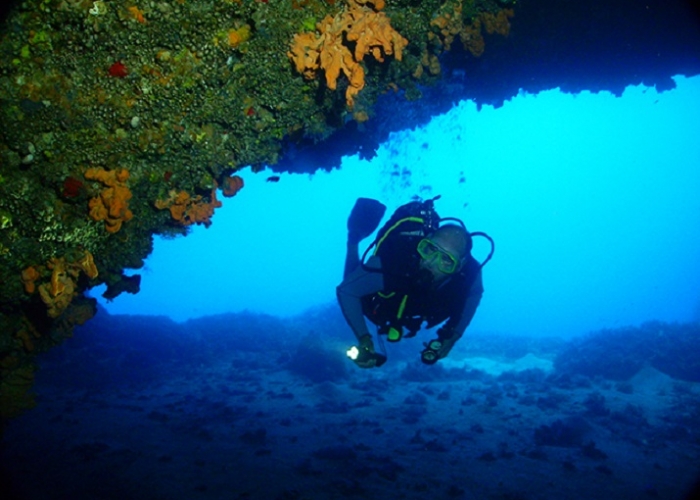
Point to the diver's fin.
(364, 219)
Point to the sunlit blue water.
(592, 200)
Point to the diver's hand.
(438, 348)
(367, 356)
(447, 345)
(369, 362)
(449, 338)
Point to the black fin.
(364, 219)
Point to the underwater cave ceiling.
(122, 120)
(593, 45)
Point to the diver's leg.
(363, 221)
(352, 257)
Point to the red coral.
(118, 70)
(72, 187)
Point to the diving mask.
(431, 252)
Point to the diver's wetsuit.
(455, 300)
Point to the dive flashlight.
(364, 355)
(353, 352)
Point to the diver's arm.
(350, 292)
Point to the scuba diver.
(420, 270)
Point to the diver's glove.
(364, 354)
(438, 348)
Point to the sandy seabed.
(247, 427)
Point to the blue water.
(592, 201)
(576, 379)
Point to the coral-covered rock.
(112, 204)
(87, 265)
(188, 210)
(370, 32)
(58, 293)
(618, 354)
(121, 284)
(568, 432)
(449, 23)
(29, 276)
(317, 363)
(232, 185)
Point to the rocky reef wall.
(124, 120)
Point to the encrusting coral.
(232, 185)
(368, 29)
(59, 291)
(188, 210)
(450, 24)
(497, 23)
(29, 276)
(112, 204)
(86, 264)
(237, 36)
